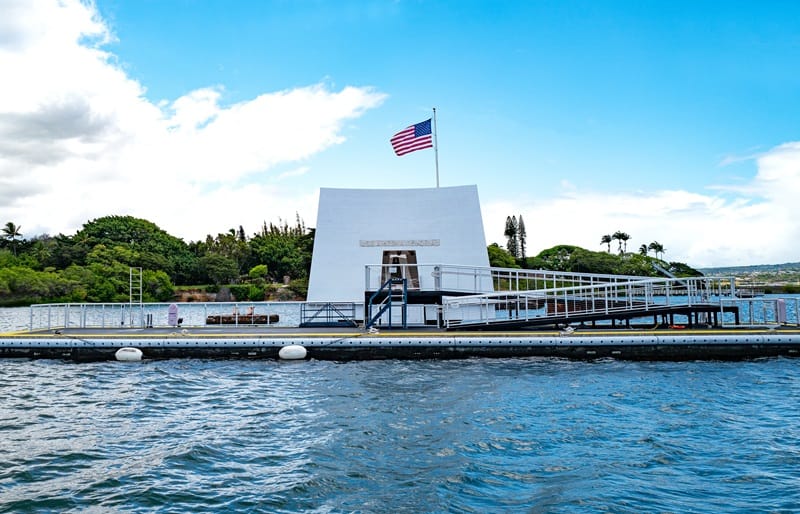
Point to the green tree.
(21, 285)
(580, 260)
(259, 271)
(522, 236)
(606, 240)
(42, 250)
(585, 261)
(500, 257)
(556, 258)
(657, 248)
(680, 269)
(12, 233)
(232, 246)
(157, 286)
(7, 259)
(153, 247)
(635, 264)
(643, 250)
(623, 238)
(101, 281)
(219, 269)
(512, 236)
(285, 250)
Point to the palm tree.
(42, 251)
(657, 248)
(622, 237)
(606, 240)
(625, 238)
(643, 250)
(616, 237)
(12, 232)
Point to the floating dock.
(354, 344)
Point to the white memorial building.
(364, 236)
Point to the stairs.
(393, 293)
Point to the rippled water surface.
(481, 435)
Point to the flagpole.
(436, 147)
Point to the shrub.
(255, 293)
(299, 286)
(240, 292)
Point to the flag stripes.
(413, 138)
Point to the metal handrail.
(386, 304)
(639, 293)
(478, 279)
(328, 314)
(120, 315)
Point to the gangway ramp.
(660, 300)
(481, 298)
(430, 285)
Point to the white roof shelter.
(359, 227)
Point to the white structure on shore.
(360, 227)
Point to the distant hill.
(757, 268)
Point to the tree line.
(580, 260)
(94, 264)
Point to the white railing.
(477, 280)
(600, 298)
(194, 314)
(482, 294)
(762, 311)
(486, 296)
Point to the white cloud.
(297, 172)
(756, 225)
(79, 139)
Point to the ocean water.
(478, 435)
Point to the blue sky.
(672, 121)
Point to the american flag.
(413, 138)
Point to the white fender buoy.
(128, 354)
(293, 352)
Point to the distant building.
(410, 227)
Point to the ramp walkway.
(660, 300)
(473, 298)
